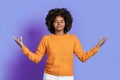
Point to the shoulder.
(46, 37)
(73, 36)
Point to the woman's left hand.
(102, 41)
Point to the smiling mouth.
(59, 26)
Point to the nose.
(59, 23)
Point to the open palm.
(18, 41)
(102, 41)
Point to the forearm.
(34, 57)
(90, 53)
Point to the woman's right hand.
(18, 41)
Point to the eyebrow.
(60, 20)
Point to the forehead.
(59, 18)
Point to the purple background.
(92, 19)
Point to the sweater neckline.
(59, 36)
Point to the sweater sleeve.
(83, 56)
(40, 51)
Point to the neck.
(59, 33)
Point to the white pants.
(53, 77)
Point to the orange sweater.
(59, 51)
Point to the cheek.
(63, 24)
(54, 24)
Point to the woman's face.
(59, 23)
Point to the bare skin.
(59, 25)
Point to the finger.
(14, 37)
(101, 38)
(17, 41)
(107, 37)
(20, 38)
(104, 39)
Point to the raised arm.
(35, 57)
(83, 56)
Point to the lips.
(59, 26)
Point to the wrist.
(21, 45)
(98, 45)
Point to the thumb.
(20, 38)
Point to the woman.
(59, 47)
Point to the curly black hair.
(64, 13)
